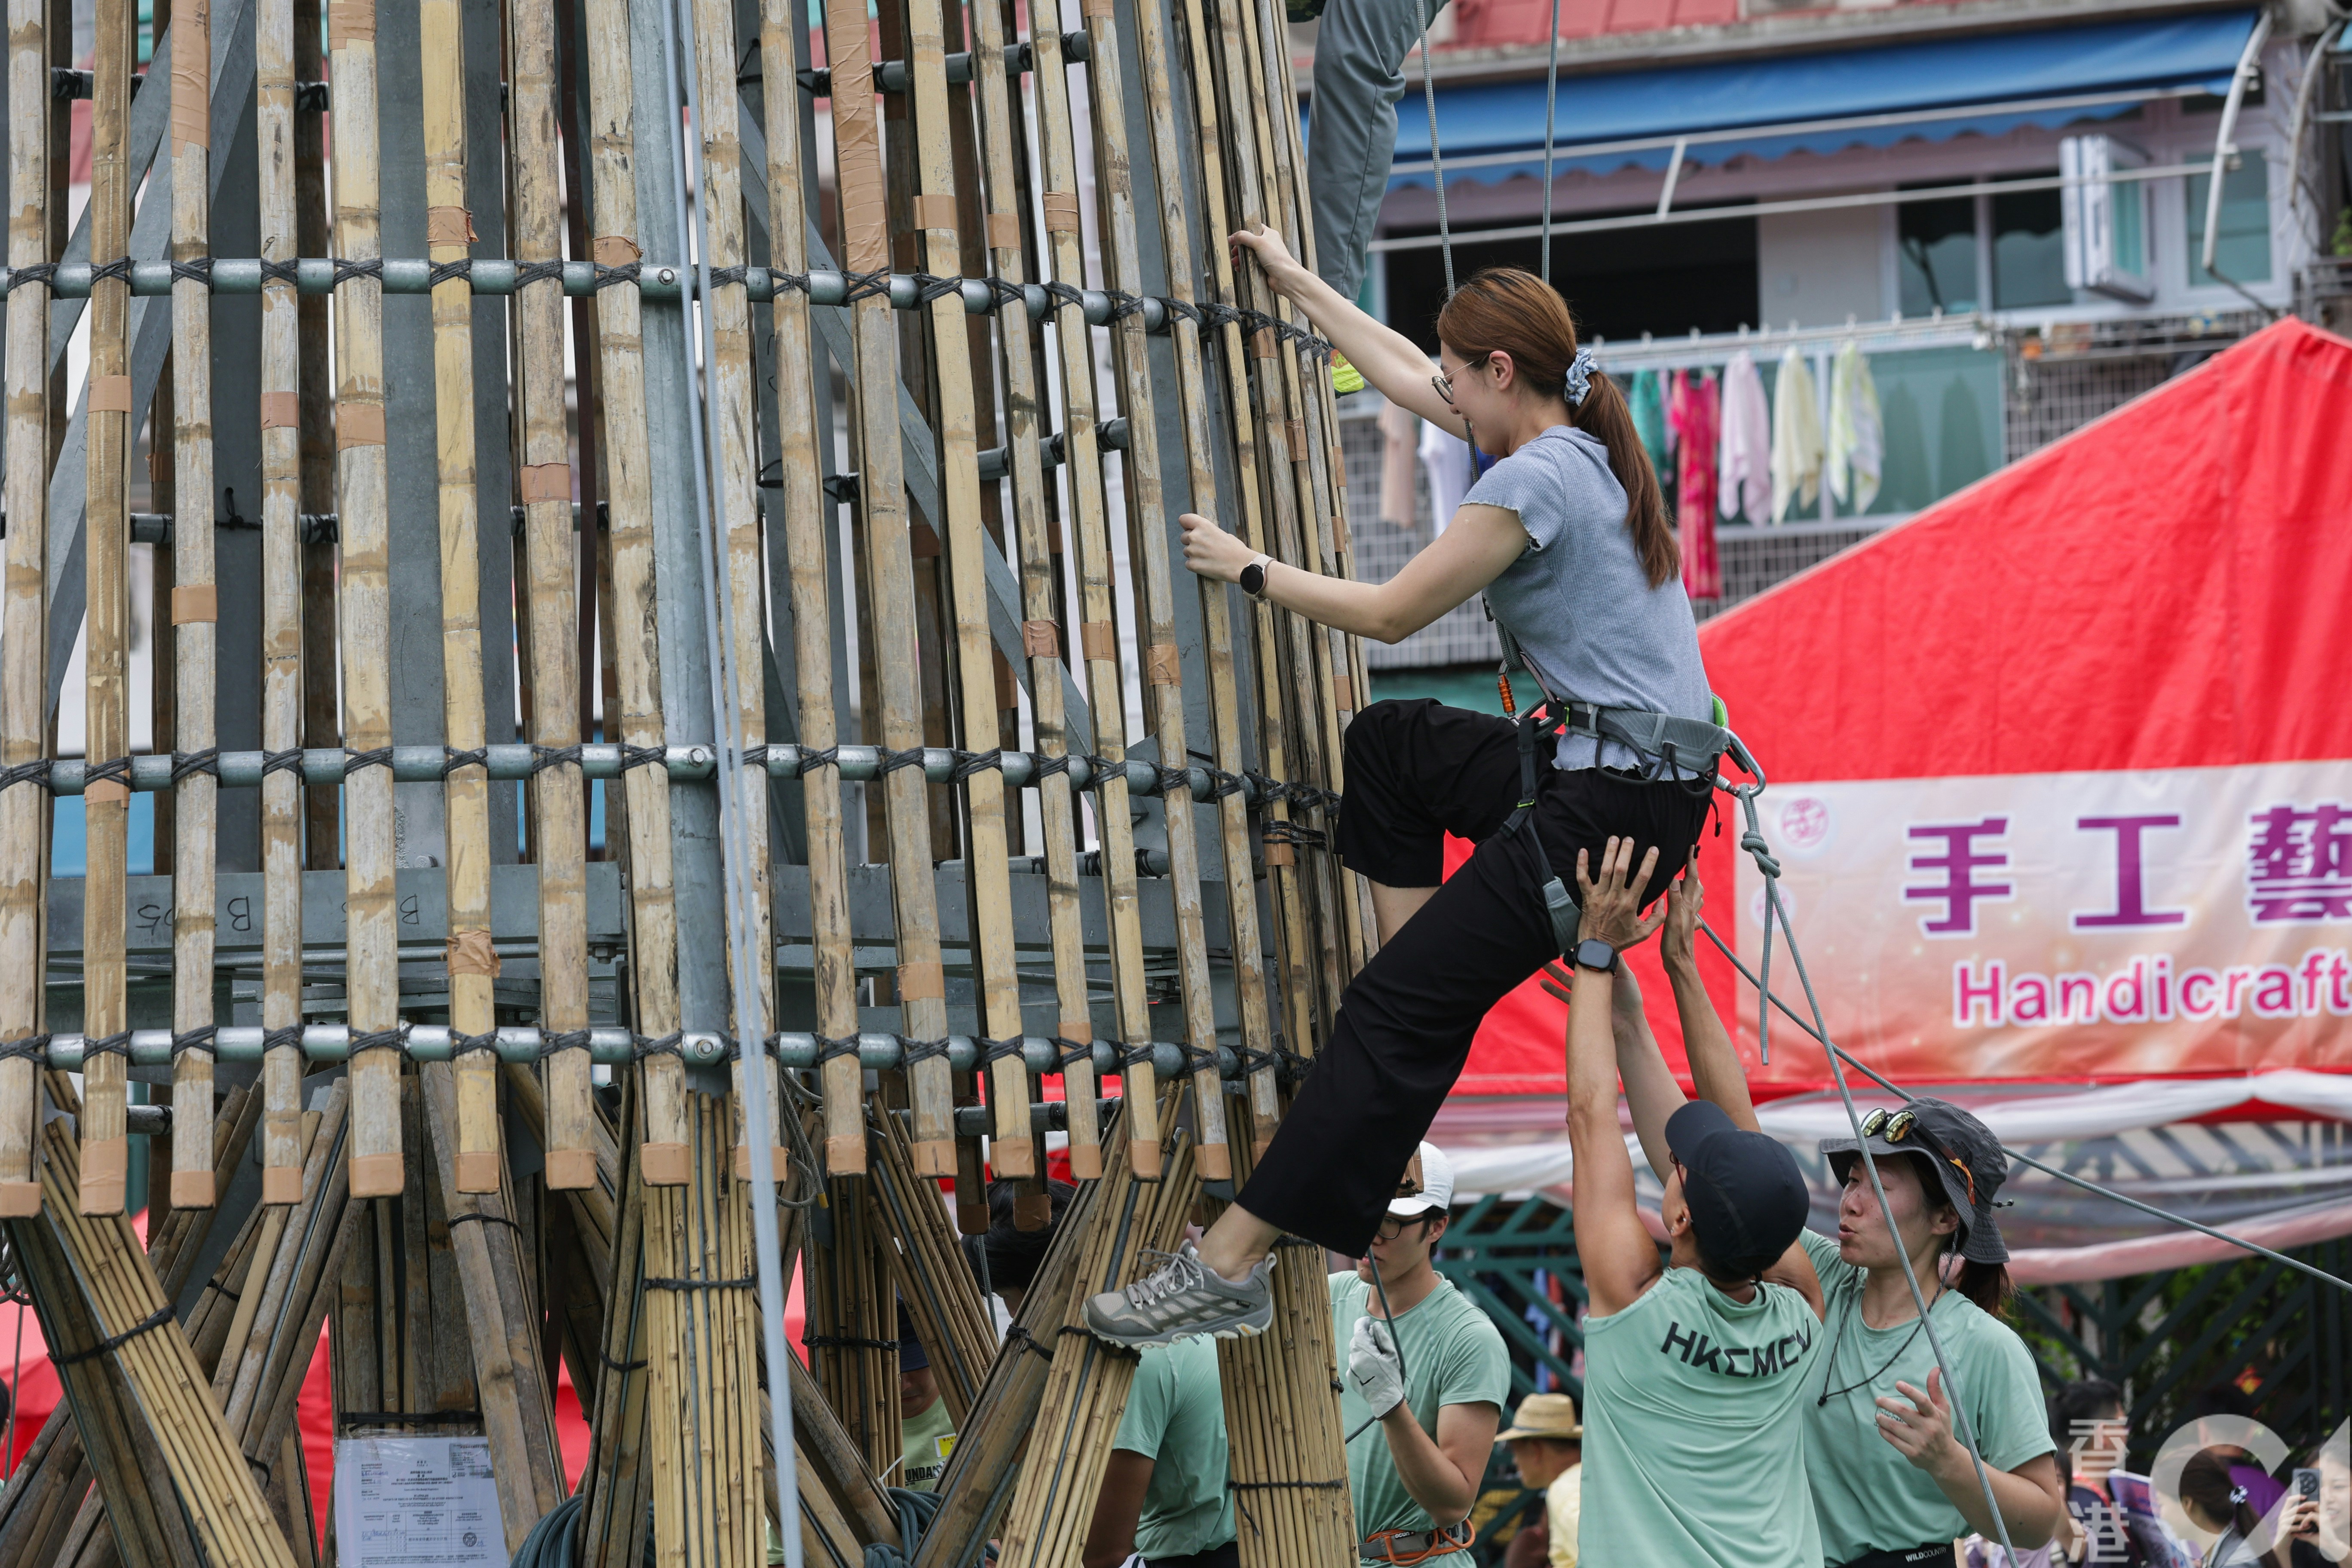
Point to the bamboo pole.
(317, 459)
(196, 607)
(1147, 549)
(990, 881)
(559, 829)
(922, 979)
(106, 802)
(1098, 631)
(281, 598)
(1035, 533)
(628, 483)
(806, 515)
(613, 1527)
(371, 931)
(1215, 603)
(473, 962)
(927, 1265)
(733, 422)
(23, 604)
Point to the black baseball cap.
(1961, 1150)
(912, 1357)
(1747, 1199)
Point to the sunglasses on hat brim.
(1897, 1127)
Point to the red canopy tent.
(2057, 766)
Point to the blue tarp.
(2197, 52)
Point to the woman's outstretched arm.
(1477, 549)
(1388, 359)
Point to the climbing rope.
(1436, 159)
(1551, 101)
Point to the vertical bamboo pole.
(1155, 591)
(314, 388)
(1040, 632)
(370, 903)
(196, 607)
(282, 604)
(1250, 978)
(23, 604)
(106, 802)
(1011, 1153)
(1098, 631)
(734, 424)
(628, 483)
(889, 579)
(805, 517)
(559, 830)
(1153, 53)
(473, 962)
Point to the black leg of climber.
(1568, 539)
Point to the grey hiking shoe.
(1181, 1299)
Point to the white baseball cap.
(1427, 1183)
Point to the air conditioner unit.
(2106, 218)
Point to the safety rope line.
(1551, 103)
(1437, 159)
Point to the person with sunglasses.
(1892, 1484)
(1569, 542)
(1427, 1368)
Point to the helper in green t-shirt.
(1163, 1493)
(1890, 1472)
(926, 1431)
(1427, 1376)
(1694, 1371)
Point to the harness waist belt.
(1407, 1547)
(1680, 742)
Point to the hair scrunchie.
(1578, 380)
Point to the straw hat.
(1551, 1416)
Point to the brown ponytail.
(1505, 310)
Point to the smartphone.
(2306, 1483)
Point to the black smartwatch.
(1252, 577)
(1594, 954)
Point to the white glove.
(1374, 1368)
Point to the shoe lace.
(1176, 1273)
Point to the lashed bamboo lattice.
(913, 422)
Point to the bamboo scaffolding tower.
(870, 447)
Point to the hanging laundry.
(1796, 437)
(1692, 418)
(1399, 480)
(1744, 478)
(1648, 403)
(1857, 438)
(1447, 460)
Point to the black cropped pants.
(1415, 772)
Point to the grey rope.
(1436, 159)
(1551, 101)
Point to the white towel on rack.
(1743, 466)
(1796, 436)
(1857, 438)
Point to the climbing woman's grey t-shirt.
(1586, 621)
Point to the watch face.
(1594, 954)
(1254, 578)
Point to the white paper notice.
(416, 1502)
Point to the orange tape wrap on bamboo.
(1061, 211)
(546, 483)
(935, 212)
(1041, 639)
(1166, 664)
(1004, 231)
(1098, 8)
(195, 603)
(1096, 640)
(281, 410)
(449, 226)
(110, 394)
(857, 150)
(922, 982)
(192, 109)
(359, 425)
(619, 250)
(470, 953)
(350, 22)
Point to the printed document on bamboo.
(416, 1502)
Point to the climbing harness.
(1403, 1548)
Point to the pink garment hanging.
(1693, 419)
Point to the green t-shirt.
(1176, 1418)
(925, 1442)
(1694, 1446)
(1869, 1497)
(1453, 1355)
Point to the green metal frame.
(1494, 1252)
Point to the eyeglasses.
(1894, 1127)
(1392, 1226)
(1444, 383)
